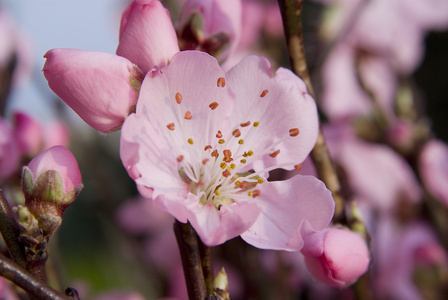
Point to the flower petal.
(285, 206)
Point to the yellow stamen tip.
(190, 141)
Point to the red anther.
(227, 156)
(256, 193)
(178, 98)
(188, 115)
(207, 147)
(274, 154)
(180, 158)
(298, 167)
(294, 132)
(242, 185)
(221, 82)
(219, 134)
(214, 153)
(226, 173)
(236, 133)
(264, 93)
(213, 105)
(204, 161)
(170, 126)
(245, 124)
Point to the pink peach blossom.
(196, 132)
(101, 88)
(147, 36)
(28, 132)
(433, 168)
(336, 256)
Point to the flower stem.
(191, 260)
(292, 23)
(35, 288)
(10, 232)
(207, 266)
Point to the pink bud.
(28, 133)
(147, 36)
(52, 176)
(9, 151)
(101, 88)
(335, 256)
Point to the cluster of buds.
(50, 183)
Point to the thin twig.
(34, 287)
(207, 266)
(191, 260)
(292, 23)
(10, 232)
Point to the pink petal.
(9, 151)
(96, 85)
(147, 36)
(285, 206)
(285, 105)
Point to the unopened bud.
(221, 285)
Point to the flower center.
(218, 170)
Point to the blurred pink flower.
(213, 26)
(433, 168)
(101, 88)
(56, 133)
(147, 36)
(9, 151)
(335, 256)
(375, 172)
(194, 151)
(28, 132)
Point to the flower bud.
(335, 256)
(101, 88)
(50, 183)
(9, 151)
(147, 36)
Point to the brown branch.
(191, 260)
(35, 288)
(207, 266)
(10, 231)
(292, 23)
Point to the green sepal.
(27, 182)
(49, 187)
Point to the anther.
(190, 141)
(221, 141)
(214, 153)
(170, 126)
(217, 192)
(207, 147)
(256, 124)
(204, 161)
(227, 156)
(237, 183)
(236, 133)
(188, 115)
(180, 158)
(250, 152)
(298, 167)
(243, 161)
(232, 166)
(241, 141)
(274, 154)
(223, 165)
(219, 134)
(213, 105)
(245, 124)
(226, 173)
(242, 185)
(221, 82)
(260, 180)
(256, 193)
(264, 93)
(178, 98)
(294, 132)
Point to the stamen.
(190, 141)
(256, 124)
(217, 192)
(237, 183)
(188, 115)
(207, 147)
(226, 173)
(274, 154)
(294, 132)
(256, 193)
(298, 167)
(243, 161)
(245, 124)
(250, 152)
(241, 141)
(260, 180)
(264, 93)
(180, 158)
(236, 133)
(232, 166)
(221, 82)
(219, 134)
(213, 105)
(178, 98)
(214, 153)
(204, 161)
(227, 156)
(221, 141)
(170, 126)
(223, 165)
